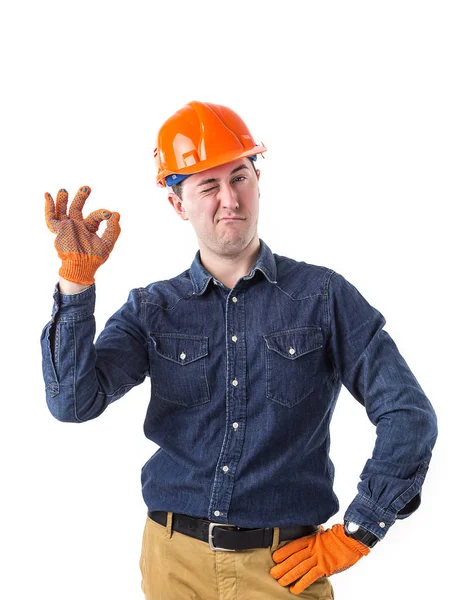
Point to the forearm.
(373, 370)
(66, 340)
(65, 287)
(82, 378)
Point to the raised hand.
(79, 247)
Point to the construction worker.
(247, 351)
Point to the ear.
(177, 204)
(258, 174)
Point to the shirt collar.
(265, 263)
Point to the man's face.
(222, 205)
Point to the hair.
(178, 189)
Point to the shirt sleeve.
(82, 377)
(371, 367)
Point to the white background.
(359, 105)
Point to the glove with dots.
(81, 250)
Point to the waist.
(221, 536)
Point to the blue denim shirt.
(243, 386)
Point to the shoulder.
(298, 277)
(320, 277)
(167, 292)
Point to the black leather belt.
(229, 537)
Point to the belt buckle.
(211, 544)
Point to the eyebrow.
(214, 179)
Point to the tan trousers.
(178, 567)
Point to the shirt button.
(234, 338)
(234, 382)
(182, 356)
(291, 351)
(382, 524)
(235, 425)
(217, 513)
(234, 299)
(225, 469)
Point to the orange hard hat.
(200, 136)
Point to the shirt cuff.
(73, 307)
(370, 516)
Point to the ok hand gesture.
(81, 250)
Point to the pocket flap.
(180, 348)
(295, 342)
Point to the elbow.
(61, 404)
(63, 413)
(68, 407)
(431, 427)
(422, 430)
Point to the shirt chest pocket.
(292, 364)
(178, 368)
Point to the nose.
(228, 196)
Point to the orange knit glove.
(308, 558)
(79, 247)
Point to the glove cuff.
(350, 542)
(82, 271)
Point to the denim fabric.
(243, 386)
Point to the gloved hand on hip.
(308, 558)
(79, 247)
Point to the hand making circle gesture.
(79, 247)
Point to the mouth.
(231, 219)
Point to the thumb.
(95, 218)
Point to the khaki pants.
(178, 567)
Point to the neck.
(229, 269)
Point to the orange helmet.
(200, 136)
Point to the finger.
(306, 581)
(50, 213)
(290, 563)
(61, 204)
(112, 232)
(94, 219)
(75, 210)
(300, 570)
(290, 548)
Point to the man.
(247, 352)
